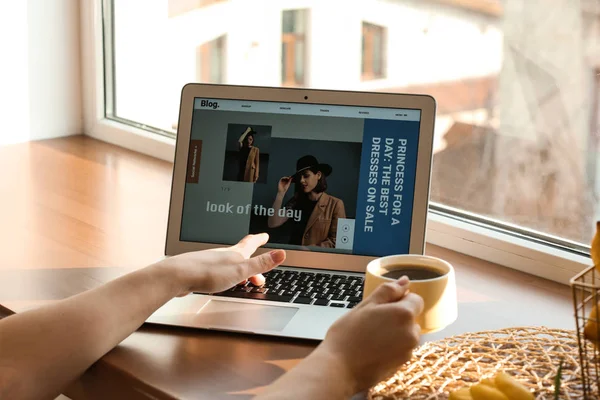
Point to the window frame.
(131, 136)
(513, 247)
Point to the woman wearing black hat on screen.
(248, 157)
(319, 211)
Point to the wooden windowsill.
(75, 206)
(79, 202)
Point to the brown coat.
(321, 228)
(252, 164)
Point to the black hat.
(307, 162)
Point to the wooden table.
(77, 212)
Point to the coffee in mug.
(431, 278)
(413, 273)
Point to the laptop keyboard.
(300, 287)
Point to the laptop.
(337, 178)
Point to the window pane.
(373, 51)
(294, 21)
(517, 94)
(217, 61)
(288, 21)
(363, 48)
(293, 56)
(300, 21)
(210, 61)
(377, 53)
(299, 62)
(284, 63)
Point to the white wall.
(40, 78)
(334, 53)
(14, 84)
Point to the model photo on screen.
(318, 211)
(246, 153)
(312, 185)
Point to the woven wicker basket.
(530, 354)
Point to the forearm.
(243, 136)
(275, 220)
(52, 345)
(319, 376)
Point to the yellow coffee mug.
(438, 290)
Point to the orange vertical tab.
(193, 165)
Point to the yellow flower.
(461, 394)
(512, 388)
(481, 391)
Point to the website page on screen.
(315, 177)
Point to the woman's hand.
(276, 220)
(363, 347)
(77, 331)
(377, 336)
(215, 270)
(284, 184)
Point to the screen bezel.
(297, 258)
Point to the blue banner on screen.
(386, 187)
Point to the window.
(373, 51)
(293, 47)
(210, 61)
(516, 148)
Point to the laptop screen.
(316, 177)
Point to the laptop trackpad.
(244, 316)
